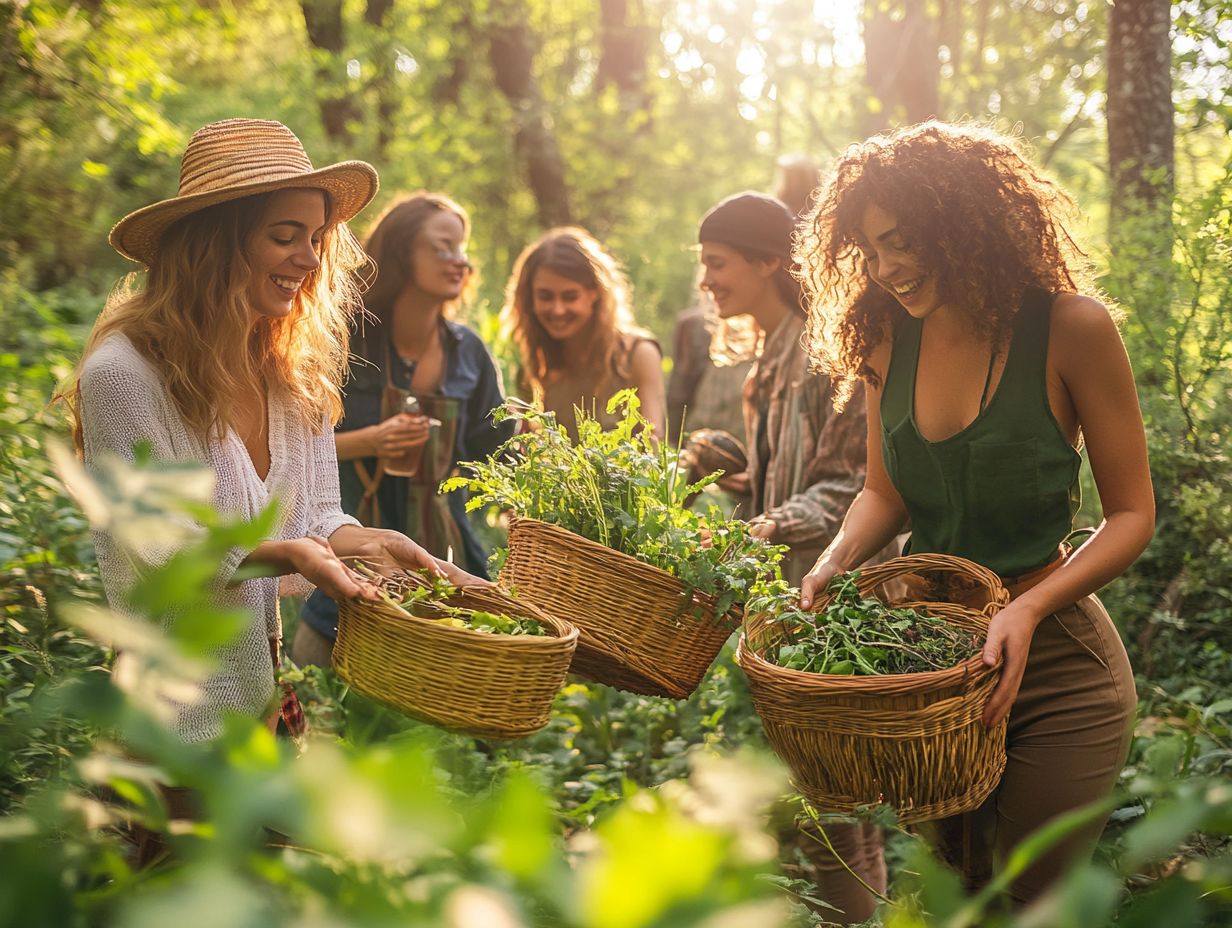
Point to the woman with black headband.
(805, 460)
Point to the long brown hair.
(972, 209)
(191, 319)
(388, 247)
(573, 253)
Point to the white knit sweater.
(123, 402)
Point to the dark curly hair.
(972, 210)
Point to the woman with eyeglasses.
(418, 400)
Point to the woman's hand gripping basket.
(420, 650)
(914, 741)
(640, 630)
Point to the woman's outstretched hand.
(763, 529)
(1009, 640)
(384, 551)
(816, 579)
(316, 562)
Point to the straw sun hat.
(238, 158)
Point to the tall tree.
(376, 16)
(902, 67)
(623, 47)
(327, 35)
(1141, 134)
(512, 56)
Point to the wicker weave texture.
(491, 686)
(913, 741)
(636, 628)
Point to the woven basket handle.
(975, 586)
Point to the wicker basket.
(491, 686)
(913, 741)
(638, 630)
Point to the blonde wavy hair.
(192, 321)
(574, 253)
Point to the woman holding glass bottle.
(419, 399)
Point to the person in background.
(703, 391)
(805, 458)
(708, 375)
(567, 305)
(943, 278)
(232, 355)
(407, 349)
(796, 177)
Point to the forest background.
(631, 117)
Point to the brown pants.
(311, 647)
(1067, 741)
(860, 847)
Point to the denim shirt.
(470, 376)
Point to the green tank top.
(1002, 492)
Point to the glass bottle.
(407, 463)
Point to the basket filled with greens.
(872, 702)
(470, 659)
(601, 536)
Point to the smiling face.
(893, 264)
(439, 266)
(563, 306)
(737, 284)
(284, 249)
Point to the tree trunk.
(375, 16)
(900, 55)
(448, 88)
(326, 33)
(622, 53)
(511, 54)
(1139, 109)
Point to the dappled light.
(748, 463)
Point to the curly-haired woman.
(942, 275)
(231, 356)
(567, 304)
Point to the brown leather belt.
(1019, 585)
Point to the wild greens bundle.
(857, 635)
(619, 488)
(430, 601)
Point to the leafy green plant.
(622, 489)
(370, 834)
(855, 634)
(429, 600)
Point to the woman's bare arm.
(876, 515)
(646, 371)
(1089, 357)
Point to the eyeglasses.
(451, 256)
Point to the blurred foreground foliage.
(625, 810)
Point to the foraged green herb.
(432, 598)
(857, 635)
(623, 490)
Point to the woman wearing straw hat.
(231, 355)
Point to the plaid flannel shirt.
(817, 456)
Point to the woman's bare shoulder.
(1082, 324)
